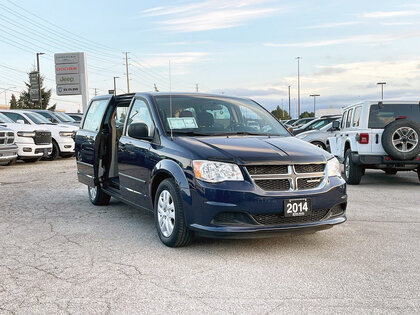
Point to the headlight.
(333, 167)
(214, 172)
(29, 134)
(66, 133)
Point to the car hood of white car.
(22, 127)
(59, 127)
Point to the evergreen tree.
(280, 114)
(307, 114)
(26, 100)
(13, 102)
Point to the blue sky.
(245, 48)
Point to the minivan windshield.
(213, 115)
(382, 115)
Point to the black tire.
(32, 160)
(319, 145)
(180, 235)
(54, 153)
(100, 198)
(390, 171)
(352, 173)
(395, 151)
(418, 173)
(67, 155)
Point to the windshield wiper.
(190, 133)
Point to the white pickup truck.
(377, 135)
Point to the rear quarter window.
(380, 116)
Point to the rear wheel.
(319, 145)
(352, 173)
(390, 171)
(98, 197)
(169, 216)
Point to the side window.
(47, 116)
(94, 115)
(349, 115)
(343, 121)
(356, 118)
(140, 114)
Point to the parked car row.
(29, 136)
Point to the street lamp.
(39, 79)
(314, 96)
(382, 88)
(115, 85)
(298, 77)
(5, 94)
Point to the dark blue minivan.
(206, 165)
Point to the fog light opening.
(27, 149)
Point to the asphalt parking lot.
(60, 254)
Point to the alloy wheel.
(93, 192)
(405, 139)
(166, 213)
(347, 166)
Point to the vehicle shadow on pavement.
(380, 178)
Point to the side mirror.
(139, 131)
(20, 121)
(335, 125)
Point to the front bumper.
(8, 153)
(243, 202)
(31, 150)
(66, 144)
(382, 161)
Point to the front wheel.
(97, 196)
(352, 173)
(54, 153)
(169, 216)
(319, 145)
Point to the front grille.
(273, 184)
(42, 137)
(269, 169)
(287, 177)
(308, 183)
(309, 168)
(7, 137)
(11, 137)
(276, 219)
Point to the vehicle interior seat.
(205, 119)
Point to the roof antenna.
(170, 100)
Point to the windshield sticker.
(182, 123)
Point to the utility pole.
(298, 77)
(196, 87)
(382, 88)
(290, 113)
(126, 71)
(314, 96)
(115, 85)
(39, 80)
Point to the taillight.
(362, 138)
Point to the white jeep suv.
(377, 135)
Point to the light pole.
(382, 88)
(39, 79)
(314, 96)
(290, 113)
(5, 94)
(298, 77)
(115, 85)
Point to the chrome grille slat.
(292, 177)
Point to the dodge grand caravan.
(206, 165)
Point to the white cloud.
(388, 14)
(332, 25)
(209, 15)
(369, 39)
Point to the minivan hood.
(254, 150)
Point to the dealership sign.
(71, 75)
